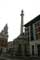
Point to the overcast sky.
(10, 11)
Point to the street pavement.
(18, 58)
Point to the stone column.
(29, 39)
(22, 14)
(29, 34)
(34, 32)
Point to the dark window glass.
(38, 49)
(32, 38)
(37, 29)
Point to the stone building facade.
(4, 39)
(32, 31)
(10, 44)
(20, 44)
(28, 42)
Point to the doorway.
(38, 47)
(32, 50)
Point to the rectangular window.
(37, 29)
